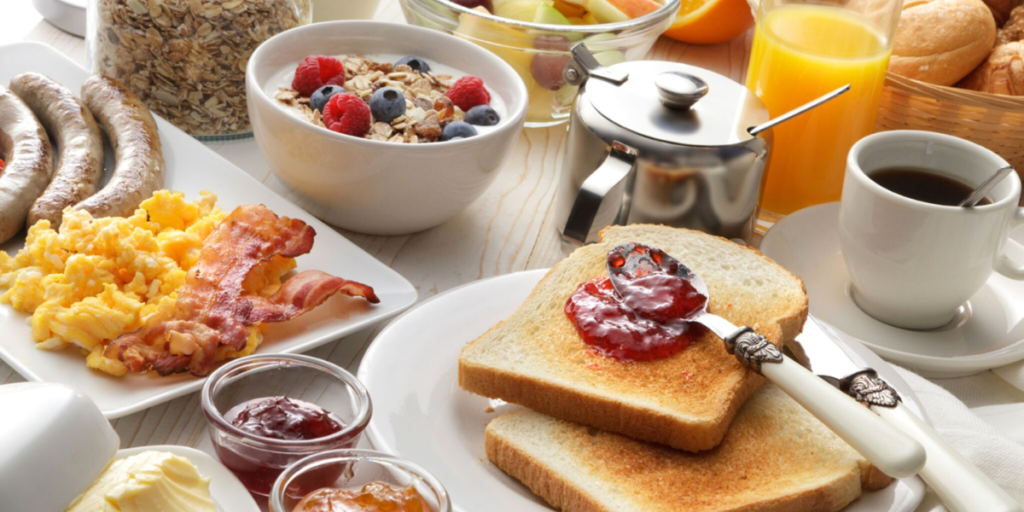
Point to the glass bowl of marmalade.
(357, 480)
(268, 411)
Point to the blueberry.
(322, 95)
(416, 63)
(482, 115)
(458, 130)
(387, 104)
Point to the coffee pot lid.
(669, 101)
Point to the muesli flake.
(428, 110)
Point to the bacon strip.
(212, 311)
(302, 293)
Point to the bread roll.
(941, 41)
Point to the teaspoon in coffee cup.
(986, 186)
(888, 448)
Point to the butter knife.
(960, 485)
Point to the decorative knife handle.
(752, 349)
(869, 389)
(889, 449)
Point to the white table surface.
(507, 230)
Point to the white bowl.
(371, 186)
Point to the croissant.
(1013, 30)
(1002, 73)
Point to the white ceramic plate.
(193, 167)
(225, 489)
(807, 243)
(420, 413)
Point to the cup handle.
(1006, 266)
(592, 205)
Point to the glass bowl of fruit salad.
(534, 37)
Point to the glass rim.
(276, 498)
(645, 21)
(217, 420)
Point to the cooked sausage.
(29, 158)
(138, 157)
(79, 145)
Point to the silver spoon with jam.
(659, 288)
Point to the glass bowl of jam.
(268, 411)
(354, 480)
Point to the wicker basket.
(991, 120)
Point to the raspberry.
(468, 92)
(317, 71)
(347, 113)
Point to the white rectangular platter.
(193, 167)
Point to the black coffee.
(924, 185)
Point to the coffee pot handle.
(1004, 265)
(593, 206)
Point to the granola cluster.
(186, 59)
(427, 112)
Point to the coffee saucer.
(987, 333)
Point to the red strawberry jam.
(280, 417)
(647, 320)
(277, 419)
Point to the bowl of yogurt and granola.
(382, 128)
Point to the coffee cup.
(914, 263)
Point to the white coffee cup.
(912, 263)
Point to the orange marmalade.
(373, 497)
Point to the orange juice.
(801, 52)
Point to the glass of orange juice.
(802, 50)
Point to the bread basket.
(990, 120)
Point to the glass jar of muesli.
(186, 58)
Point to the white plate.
(193, 167)
(420, 413)
(807, 243)
(225, 489)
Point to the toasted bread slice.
(776, 457)
(537, 359)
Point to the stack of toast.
(695, 431)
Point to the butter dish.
(58, 443)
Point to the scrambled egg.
(96, 279)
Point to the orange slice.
(710, 21)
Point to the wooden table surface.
(507, 230)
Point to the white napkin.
(987, 429)
(1012, 373)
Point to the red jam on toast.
(639, 313)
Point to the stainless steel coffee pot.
(663, 143)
